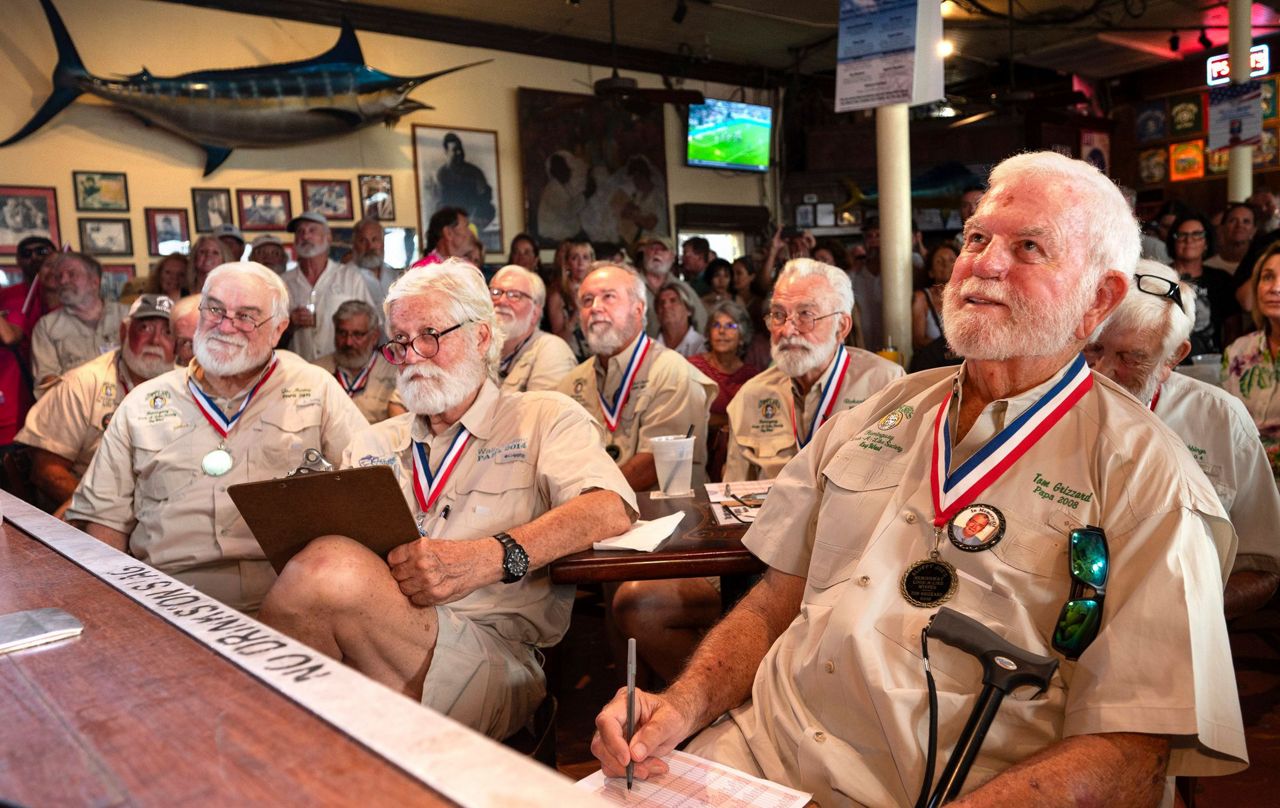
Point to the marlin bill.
(261, 107)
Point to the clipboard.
(364, 504)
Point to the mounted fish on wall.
(333, 94)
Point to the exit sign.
(1218, 68)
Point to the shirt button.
(909, 517)
(820, 736)
(864, 580)
(830, 666)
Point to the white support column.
(893, 179)
(1240, 162)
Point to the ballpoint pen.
(631, 706)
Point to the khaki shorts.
(240, 584)
(724, 743)
(480, 679)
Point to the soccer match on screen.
(727, 134)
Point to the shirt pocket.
(162, 463)
(283, 437)
(492, 498)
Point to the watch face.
(516, 563)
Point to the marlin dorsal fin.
(345, 51)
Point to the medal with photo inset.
(977, 527)
(930, 581)
(217, 463)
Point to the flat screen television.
(729, 135)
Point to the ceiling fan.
(628, 92)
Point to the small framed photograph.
(804, 216)
(330, 197)
(167, 230)
(376, 198)
(114, 278)
(100, 190)
(106, 237)
(27, 210)
(826, 214)
(263, 209)
(212, 207)
(457, 167)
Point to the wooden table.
(137, 712)
(698, 548)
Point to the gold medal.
(930, 581)
(217, 463)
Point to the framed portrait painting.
(456, 167)
(167, 230)
(100, 190)
(212, 207)
(261, 209)
(27, 210)
(106, 236)
(330, 197)
(376, 197)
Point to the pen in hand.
(631, 706)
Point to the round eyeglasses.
(804, 321)
(511, 294)
(426, 345)
(242, 320)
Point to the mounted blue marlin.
(273, 105)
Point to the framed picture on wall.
(212, 207)
(106, 236)
(263, 209)
(100, 190)
(1268, 99)
(167, 230)
(114, 278)
(456, 167)
(27, 210)
(376, 198)
(330, 197)
(1265, 154)
(1186, 160)
(1186, 114)
(1153, 166)
(1152, 121)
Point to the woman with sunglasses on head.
(1251, 364)
(1190, 242)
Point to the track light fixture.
(681, 10)
(1175, 41)
(1204, 40)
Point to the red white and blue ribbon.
(1156, 398)
(427, 486)
(611, 414)
(216, 418)
(830, 392)
(355, 386)
(953, 492)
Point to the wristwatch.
(515, 561)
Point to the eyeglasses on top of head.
(1081, 617)
(804, 321)
(426, 345)
(242, 320)
(1158, 286)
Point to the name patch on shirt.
(879, 442)
(1064, 495)
(513, 451)
(769, 422)
(374, 460)
(296, 392)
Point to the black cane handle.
(1005, 666)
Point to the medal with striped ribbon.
(613, 413)
(354, 386)
(427, 486)
(219, 461)
(830, 391)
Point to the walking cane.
(1005, 667)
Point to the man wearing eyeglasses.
(318, 287)
(65, 427)
(242, 412)
(531, 359)
(358, 365)
(500, 484)
(1141, 344)
(813, 376)
(86, 326)
(820, 667)
(634, 387)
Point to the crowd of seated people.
(517, 407)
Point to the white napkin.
(643, 535)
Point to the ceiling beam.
(494, 36)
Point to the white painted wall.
(120, 37)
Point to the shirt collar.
(478, 419)
(1007, 409)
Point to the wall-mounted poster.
(1153, 166)
(27, 210)
(1186, 115)
(1268, 99)
(376, 197)
(212, 207)
(1095, 149)
(106, 237)
(1186, 160)
(455, 167)
(591, 168)
(1152, 121)
(1217, 160)
(100, 190)
(262, 209)
(330, 197)
(1267, 154)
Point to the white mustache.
(794, 343)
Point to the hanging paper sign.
(887, 53)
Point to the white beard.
(148, 364)
(1031, 329)
(226, 357)
(797, 357)
(428, 390)
(369, 261)
(311, 250)
(351, 360)
(605, 339)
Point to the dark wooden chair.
(16, 476)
